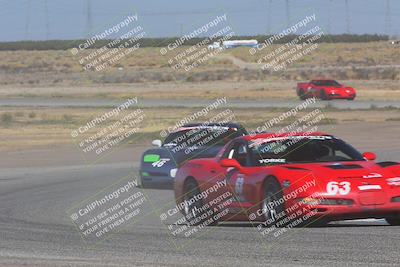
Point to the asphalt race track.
(36, 231)
(191, 103)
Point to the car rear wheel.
(272, 211)
(393, 220)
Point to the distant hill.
(159, 42)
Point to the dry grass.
(327, 54)
(257, 90)
(35, 68)
(336, 54)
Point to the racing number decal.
(160, 163)
(333, 188)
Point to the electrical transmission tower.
(269, 18)
(287, 14)
(347, 17)
(46, 14)
(28, 20)
(89, 23)
(329, 17)
(388, 22)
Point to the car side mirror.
(230, 163)
(156, 143)
(369, 156)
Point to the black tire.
(192, 211)
(141, 184)
(323, 95)
(272, 213)
(302, 95)
(395, 221)
(314, 222)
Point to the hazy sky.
(30, 19)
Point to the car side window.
(238, 151)
(228, 154)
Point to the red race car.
(284, 179)
(325, 90)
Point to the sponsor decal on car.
(150, 158)
(373, 175)
(395, 181)
(370, 187)
(272, 160)
(259, 141)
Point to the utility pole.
(269, 18)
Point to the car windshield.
(327, 83)
(202, 136)
(302, 149)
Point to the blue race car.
(159, 165)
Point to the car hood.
(337, 88)
(183, 155)
(343, 170)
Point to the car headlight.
(326, 201)
(338, 202)
(309, 201)
(173, 172)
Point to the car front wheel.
(272, 212)
(302, 95)
(323, 95)
(193, 203)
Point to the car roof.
(228, 124)
(274, 135)
(212, 124)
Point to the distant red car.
(270, 178)
(325, 90)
